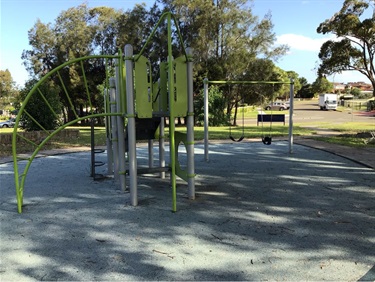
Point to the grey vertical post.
(161, 136)
(291, 108)
(108, 132)
(131, 125)
(150, 153)
(120, 129)
(205, 96)
(190, 126)
(162, 146)
(114, 132)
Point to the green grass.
(84, 139)
(348, 138)
(350, 141)
(348, 127)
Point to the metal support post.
(291, 108)
(108, 133)
(131, 125)
(190, 127)
(171, 90)
(150, 153)
(120, 125)
(205, 97)
(114, 131)
(162, 147)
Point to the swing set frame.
(206, 84)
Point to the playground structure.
(135, 108)
(206, 84)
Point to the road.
(308, 112)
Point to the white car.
(8, 123)
(280, 106)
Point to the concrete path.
(260, 213)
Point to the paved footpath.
(260, 213)
(364, 156)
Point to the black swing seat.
(238, 140)
(267, 140)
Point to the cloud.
(301, 42)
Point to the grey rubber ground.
(259, 214)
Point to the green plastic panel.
(180, 137)
(163, 95)
(155, 97)
(180, 92)
(143, 88)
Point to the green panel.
(163, 96)
(143, 88)
(180, 91)
(155, 97)
(180, 137)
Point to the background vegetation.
(230, 43)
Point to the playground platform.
(260, 213)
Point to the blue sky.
(295, 24)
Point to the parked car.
(8, 123)
(280, 106)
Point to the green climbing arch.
(19, 138)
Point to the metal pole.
(114, 133)
(161, 147)
(291, 103)
(131, 125)
(205, 96)
(92, 134)
(172, 148)
(120, 126)
(150, 153)
(190, 127)
(108, 132)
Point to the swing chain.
(243, 128)
(267, 140)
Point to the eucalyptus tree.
(227, 38)
(297, 83)
(322, 85)
(354, 49)
(76, 32)
(8, 89)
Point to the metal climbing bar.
(35, 121)
(27, 140)
(169, 17)
(86, 86)
(171, 117)
(47, 103)
(67, 95)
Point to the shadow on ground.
(259, 214)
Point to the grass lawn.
(347, 135)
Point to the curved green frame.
(172, 112)
(21, 183)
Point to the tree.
(77, 32)
(322, 85)
(355, 50)
(305, 92)
(216, 104)
(38, 109)
(227, 39)
(8, 89)
(297, 82)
